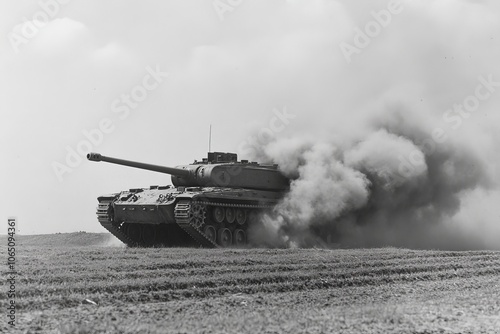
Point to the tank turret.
(217, 170)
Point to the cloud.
(62, 38)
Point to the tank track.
(194, 218)
(105, 217)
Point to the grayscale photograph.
(250, 166)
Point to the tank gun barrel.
(155, 168)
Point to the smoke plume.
(380, 153)
(393, 185)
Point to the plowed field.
(97, 289)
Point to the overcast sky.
(151, 76)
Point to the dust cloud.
(393, 185)
(384, 150)
(111, 241)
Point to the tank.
(211, 203)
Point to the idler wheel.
(230, 215)
(149, 234)
(241, 216)
(209, 231)
(225, 237)
(240, 238)
(219, 214)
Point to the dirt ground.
(98, 288)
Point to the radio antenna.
(210, 139)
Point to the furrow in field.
(248, 283)
(70, 300)
(184, 259)
(349, 269)
(93, 270)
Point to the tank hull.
(184, 216)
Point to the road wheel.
(219, 214)
(225, 237)
(230, 216)
(209, 231)
(240, 238)
(241, 216)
